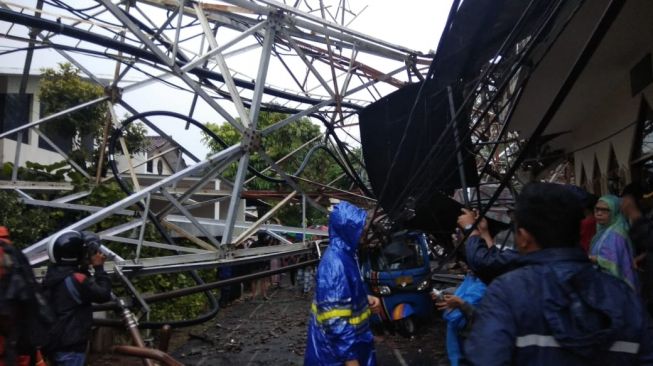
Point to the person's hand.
(374, 304)
(352, 363)
(467, 220)
(468, 217)
(484, 231)
(98, 259)
(450, 302)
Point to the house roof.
(157, 144)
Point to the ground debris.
(220, 326)
(201, 336)
(274, 333)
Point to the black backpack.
(25, 316)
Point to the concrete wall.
(617, 115)
(620, 113)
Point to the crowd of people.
(574, 290)
(550, 302)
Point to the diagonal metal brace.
(132, 289)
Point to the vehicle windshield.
(400, 253)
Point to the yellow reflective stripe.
(357, 320)
(335, 313)
(340, 313)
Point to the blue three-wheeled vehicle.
(398, 272)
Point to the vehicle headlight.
(384, 290)
(423, 285)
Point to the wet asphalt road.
(273, 332)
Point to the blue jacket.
(556, 309)
(339, 328)
(471, 291)
(488, 263)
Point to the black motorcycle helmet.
(67, 248)
(91, 242)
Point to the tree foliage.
(64, 88)
(27, 224)
(320, 168)
(277, 144)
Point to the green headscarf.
(617, 223)
(612, 247)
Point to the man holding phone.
(71, 289)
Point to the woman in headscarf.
(611, 248)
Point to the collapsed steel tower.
(329, 72)
(463, 102)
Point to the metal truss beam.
(36, 251)
(118, 13)
(140, 35)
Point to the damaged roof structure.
(517, 91)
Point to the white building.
(14, 112)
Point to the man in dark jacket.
(71, 289)
(555, 308)
(485, 259)
(339, 330)
(488, 261)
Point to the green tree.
(64, 88)
(59, 90)
(321, 167)
(27, 224)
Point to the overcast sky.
(416, 24)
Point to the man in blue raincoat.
(339, 331)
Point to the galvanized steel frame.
(275, 22)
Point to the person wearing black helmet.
(72, 289)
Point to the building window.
(149, 166)
(15, 112)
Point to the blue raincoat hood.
(346, 224)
